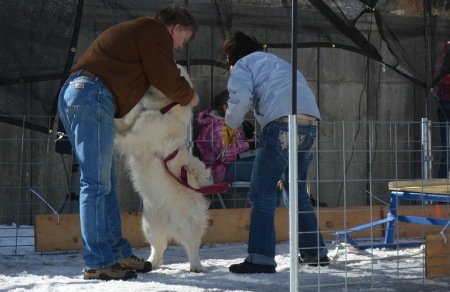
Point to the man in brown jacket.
(107, 81)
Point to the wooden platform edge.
(227, 226)
(437, 256)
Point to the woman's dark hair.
(219, 101)
(237, 46)
(178, 14)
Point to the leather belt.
(84, 73)
(301, 119)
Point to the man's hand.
(228, 136)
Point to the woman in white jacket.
(261, 82)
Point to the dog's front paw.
(209, 180)
(120, 140)
(204, 177)
(121, 126)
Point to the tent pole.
(293, 169)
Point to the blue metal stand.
(393, 217)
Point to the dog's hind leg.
(158, 242)
(192, 246)
(190, 236)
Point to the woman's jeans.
(241, 170)
(86, 108)
(271, 163)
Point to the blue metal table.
(424, 191)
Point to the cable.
(359, 114)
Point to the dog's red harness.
(213, 189)
(168, 107)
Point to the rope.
(54, 211)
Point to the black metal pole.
(426, 16)
(294, 56)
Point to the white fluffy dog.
(172, 211)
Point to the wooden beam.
(333, 219)
(432, 186)
(232, 225)
(66, 235)
(50, 235)
(437, 255)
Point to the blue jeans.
(271, 163)
(241, 170)
(86, 108)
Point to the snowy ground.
(22, 269)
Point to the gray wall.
(344, 91)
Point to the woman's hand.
(228, 136)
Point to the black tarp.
(40, 39)
(36, 38)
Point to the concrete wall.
(349, 87)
